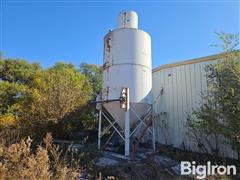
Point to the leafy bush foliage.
(61, 90)
(217, 121)
(35, 100)
(17, 70)
(94, 75)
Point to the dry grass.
(17, 160)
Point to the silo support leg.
(99, 128)
(127, 132)
(153, 134)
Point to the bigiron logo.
(201, 171)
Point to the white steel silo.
(127, 63)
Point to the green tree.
(229, 42)
(220, 115)
(15, 76)
(57, 92)
(36, 101)
(94, 75)
(17, 70)
(1, 56)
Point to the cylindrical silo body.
(127, 63)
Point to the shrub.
(218, 120)
(17, 160)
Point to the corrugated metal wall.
(181, 87)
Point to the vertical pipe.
(127, 132)
(99, 128)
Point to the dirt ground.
(161, 165)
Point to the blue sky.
(72, 31)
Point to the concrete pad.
(177, 169)
(164, 161)
(105, 161)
